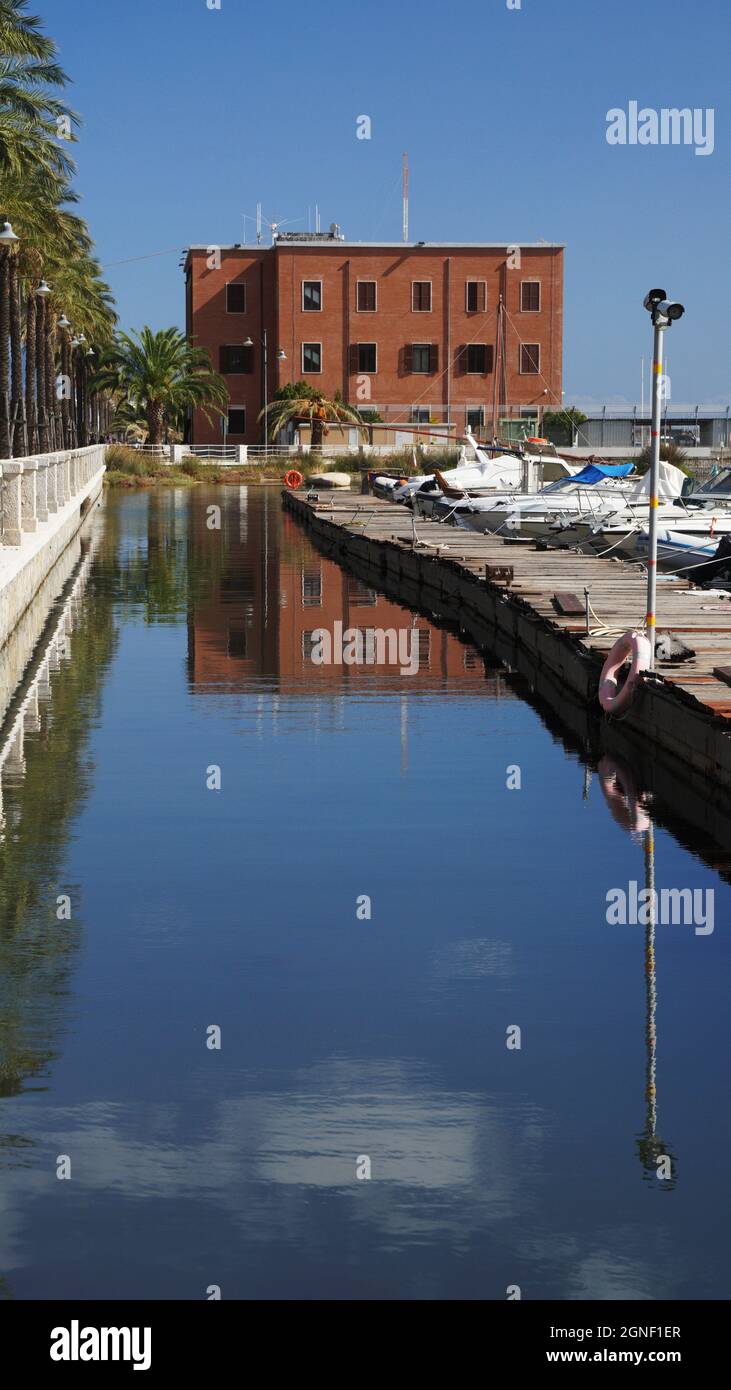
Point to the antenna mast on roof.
(317, 218)
(258, 223)
(405, 193)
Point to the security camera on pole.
(663, 312)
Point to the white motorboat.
(480, 470)
(579, 497)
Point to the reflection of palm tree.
(35, 955)
(650, 1146)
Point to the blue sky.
(192, 116)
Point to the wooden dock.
(497, 589)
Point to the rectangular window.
(423, 357)
(311, 296)
(476, 296)
(236, 298)
(420, 415)
(476, 358)
(237, 639)
(312, 357)
(360, 595)
(309, 641)
(366, 297)
(236, 419)
(530, 358)
(421, 296)
(475, 417)
(236, 359)
(311, 589)
(367, 357)
(530, 296)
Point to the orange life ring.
(622, 798)
(535, 439)
(293, 479)
(635, 648)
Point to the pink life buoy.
(635, 648)
(621, 795)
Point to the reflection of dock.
(683, 710)
(696, 809)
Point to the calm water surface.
(341, 1038)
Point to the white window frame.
(537, 371)
(312, 280)
(540, 296)
(374, 283)
(231, 407)
(241, 285)
(430, 283)
(375, 369)
(414, 412)
(467, 284)
(307, 371)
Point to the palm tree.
(160, 377)
(300, 402)
(54, 244)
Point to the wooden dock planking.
(453, 563)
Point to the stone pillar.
(28, 513)
(67, 477)
(51, 486)
(60, 468)
(42, 490)
(11, 502)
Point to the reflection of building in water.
(272, 590)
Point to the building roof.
(336, 244)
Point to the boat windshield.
(721, 483)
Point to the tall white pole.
(266, 399)
(650, 620)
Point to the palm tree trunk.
(155, 422)
(43, 437)
(81, 401)
(19, 438)
(66, 399)
(4, 354)
(30, 370)
(316, 436)
(50, 375)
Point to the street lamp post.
(663, 313)
(281, 357)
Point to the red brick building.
(457, 334)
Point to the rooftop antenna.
(258, 223)
(405, 194)
(317, 218)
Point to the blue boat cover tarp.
(594, 472)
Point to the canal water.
(441, 1072)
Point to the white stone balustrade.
(35, 489)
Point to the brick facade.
(430, 344)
